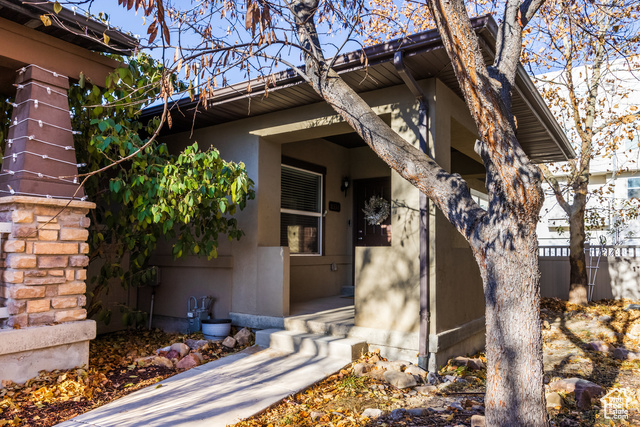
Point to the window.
(634, 141)
(301, 210)
(633, 188)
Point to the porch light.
(344, 185)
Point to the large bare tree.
(502, 238)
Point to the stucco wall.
(387, 278)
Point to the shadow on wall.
(387, 293)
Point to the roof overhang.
(538, 132)
(68, 49)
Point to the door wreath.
(376, 210)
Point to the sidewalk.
(218, 393)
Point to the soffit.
(538, 132)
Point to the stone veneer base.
(25, 352)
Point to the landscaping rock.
(444, 386)
(416, 370)
(172, 355)
(373, 413)
(360, 369)
(376, 374)
(166, 350)
(144, 360)
(554, 400)
(455, 406)
(189, 361)
(391, 366)
(477, 421)
(181, 348)
(632, 307)
(576, 385)
(426, 389)
(196, 344)
(417, 412)
(229, 342)
(243, 337)
(621, 353)
(397, 414)
(600, 346)
(634, 332)
(316, 416)
(433, 378)
(162, 361)
(400, 379)
(472, 364)
(605, 318)
(583, 400)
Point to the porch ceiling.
(538, 132)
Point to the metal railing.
(623, 251)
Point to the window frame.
(629, 187)
(312, 169)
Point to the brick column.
(45, 260)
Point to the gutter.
(79, 25)
(423, 126)
(377, 54)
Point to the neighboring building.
(306, 237)
(615, 171)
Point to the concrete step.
(311, 344)
(307, 324)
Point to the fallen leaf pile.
(53, 397)
(341, 399)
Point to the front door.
(372, 212)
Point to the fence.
(617, 275)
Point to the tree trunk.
(578, 279)
(509, 269)
(503, 238)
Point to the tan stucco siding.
(387, 278)
(456, 289)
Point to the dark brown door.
(366, 233)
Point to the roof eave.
(119, 42)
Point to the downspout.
(423, 126)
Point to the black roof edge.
(119, 42)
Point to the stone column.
(45, 260)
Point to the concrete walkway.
(218, 393)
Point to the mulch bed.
(341, 399)
(54, 397)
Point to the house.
(612, 226)
(43, 222)
(306, 234)
(613, 170)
